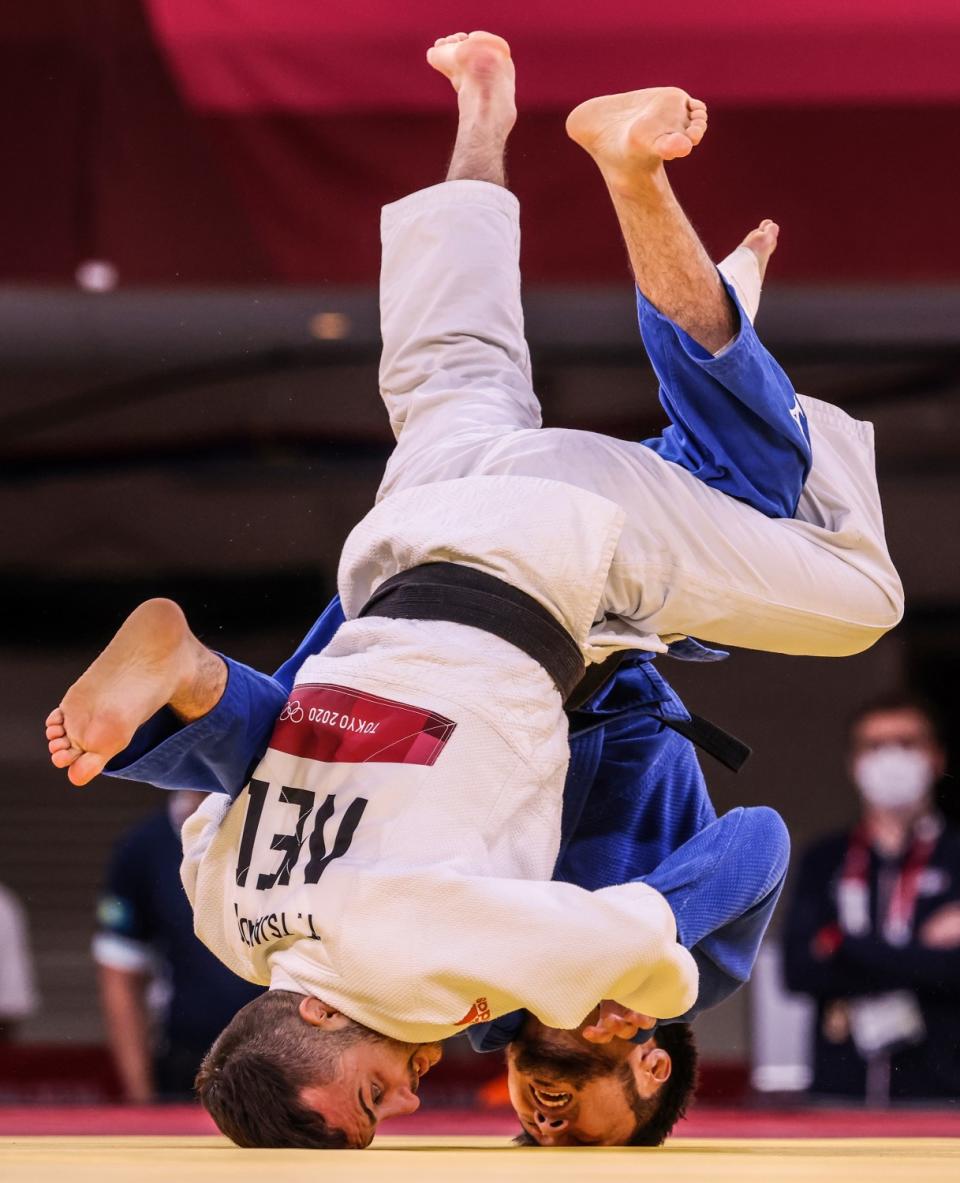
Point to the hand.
(615, 1021)
(942, 929)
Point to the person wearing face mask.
(873, 932)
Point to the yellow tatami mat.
(477, 1160)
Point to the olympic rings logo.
(292, 712)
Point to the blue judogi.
(635, 802)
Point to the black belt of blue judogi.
(463, 595)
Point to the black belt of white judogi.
(463, 595)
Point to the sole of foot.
(763, 242)
(631, 135)
(478, 62)
(152, 658)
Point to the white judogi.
(390, 855)
(455, 377)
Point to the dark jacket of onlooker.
(861, 925)
(145, 933)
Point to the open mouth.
(550, 1100)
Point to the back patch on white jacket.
(340, 725)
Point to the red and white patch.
(339, 725)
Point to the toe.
(55, 731)
(59, 744)
(63, 759)
(697, 130)
(674, 144)
(55, 717)
(85, 768)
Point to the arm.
(123, 996)
(930, 972)
(18, 997)
(812, 929)
(125, 962)
(217, 753)
(550, 948)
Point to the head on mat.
(568, 1090)
(291, 1071)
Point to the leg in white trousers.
(455, 377)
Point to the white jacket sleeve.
(550, 948)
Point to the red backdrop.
(223, 141)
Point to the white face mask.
(892, 777)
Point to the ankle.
(641, 186)
(202, 682)
(478, 157)
(485, 129)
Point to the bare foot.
(763, 242)
(153, 661)
(481, 71)
(746, 266)
(631, 135)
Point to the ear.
(317, 1013)
(656, 1065)
(659, 1064)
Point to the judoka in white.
(386, 869)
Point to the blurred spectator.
(145, 935)
(873, 933)
(18, 999)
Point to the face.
(895, 761)
(377, 1078)
(567, 1091)
(903, 728)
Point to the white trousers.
(455, 377)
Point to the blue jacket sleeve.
(723, 886)
(217, 753)
(735, 422)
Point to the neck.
(889, 830)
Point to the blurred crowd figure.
(165, 996)
(18, 996)
(873, 930)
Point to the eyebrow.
(363, 1106)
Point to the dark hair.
(250, 1080)
(657, 1115)
(897, 700)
